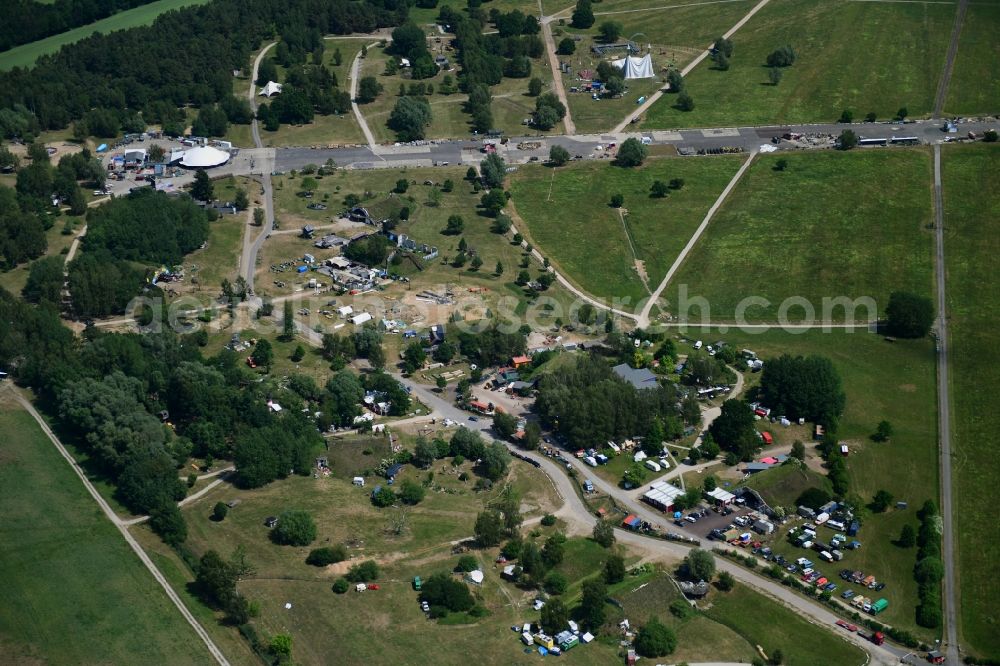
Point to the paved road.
(644, 315)
(578, 512)
(949, 63)
(354, 76)
(466, 151)
(944, 425)
(687, 69)
(122, 528)
(252, 244)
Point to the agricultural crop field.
(864, 56)
(615, 253)
(831, 224)
(26, 54)
(972, 243)
(73, 590)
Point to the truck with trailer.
(876, 637)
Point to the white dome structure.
(204, 157)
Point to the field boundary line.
(944, 423)
(644, 315)
(120, 526)
(949, 60)
(662, 7)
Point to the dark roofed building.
(641, 378)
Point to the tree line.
(29, 20)
(137, 70)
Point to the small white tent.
(270, 89)
(635, 67)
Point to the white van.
(697, 345)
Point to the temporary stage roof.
(204, 157)
(636, 68)
(270, 89)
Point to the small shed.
(632, 522)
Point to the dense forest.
(29, 20)
(184, 57)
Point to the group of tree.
(28, 20)
(631, 153)
(722, 51)
(22, 233)
(929, 569)
(909, 315)
(215, 582)
(734, 430)
(372, 250)
(803, 387)
(492, 346)
(126, 73)
(589, 405)
(486, 57)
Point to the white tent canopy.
(271, 88)
(204, 157)
(634, 67)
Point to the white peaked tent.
(636, 68)
(270, 89)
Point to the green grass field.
(975, 83)
(833, 224)
(883, 380)
(866, 56)
(674, 33)
(569, 219)
(972, 224)
(73, 590)
(26, 54)
(772, 626)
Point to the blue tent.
(302, 269)
(101, 148)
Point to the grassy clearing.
(73, 591)
(782, 485)
(833, 224)
(327, 131)
(511, 103)
(14, 279)
(220, 258)
(587, 240)
(26, 54)
(972, 222)
(344, 514)
(474, 290)
(891, 381)
(865, 56)
(676, 35)
(772, 626)
(975, 84)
